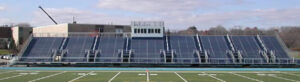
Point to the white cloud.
(65, 15)
(261, 17)
(155, 6)
(5, 21)
(2, 8)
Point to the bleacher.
(188, 49)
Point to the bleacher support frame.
(94, 53)
(233, 52)
(201, 51)
(265, 52)
(58, 54)
(168, 57)
(197, 52)
(272, 55)
(129, 52)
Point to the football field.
(147, 76)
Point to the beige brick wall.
(59, 30)
(15, 35)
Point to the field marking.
(214, 77)
(290, 74)
(148, 78)
(180, 77)
(114, 77)
(284, 78)
(13, 76)
(47, 76)
(80, 76)
(165, 71)
(246, 77)
(6, 72)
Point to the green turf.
(99, 77)
(154, 76)
(167, 77)
(4, 52)
(62, 77)
(263, 78)
(131, 77)
(7, 74)
(28, 76)
(231, 78)
(194, 77)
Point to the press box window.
(135, 30)
(138, 30)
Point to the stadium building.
(146, 44)
(81, 28)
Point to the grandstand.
(106, 49)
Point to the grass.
(3, 52)
(154, 76)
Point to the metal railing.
(155, 60)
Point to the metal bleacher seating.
(110, 47)
(249, 48)
(150, 50)
(217, 48)
(184, 47)
(76, 48)
(147, 50)
(40, 49)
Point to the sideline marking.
(148, 79)
(283, 78)
(13, 76)
(290, 74)
(81, 76)
(6, 72)
(114, 77)
(213, 76)
(180, 77)
(246, 77)
(47, 76)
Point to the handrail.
(25, 46)
(240, 56)
(230, 42)
(167, 43)
(264, 55)
(199, 43)
(211, 60)
(95, 42)
(206, 56)
(198, 54)
(272, 54)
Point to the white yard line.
(80, 77)
(6, 72)
(12, 76)
(180, 77)
(247, 77)
(285, 78)
(114, 77)
(47, 76)
(148, 79)
(290, 74)
(214, 77)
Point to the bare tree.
(190, 30)
(290, 35)
(218, 30)
(23, 25)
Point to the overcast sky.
(177, 14)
